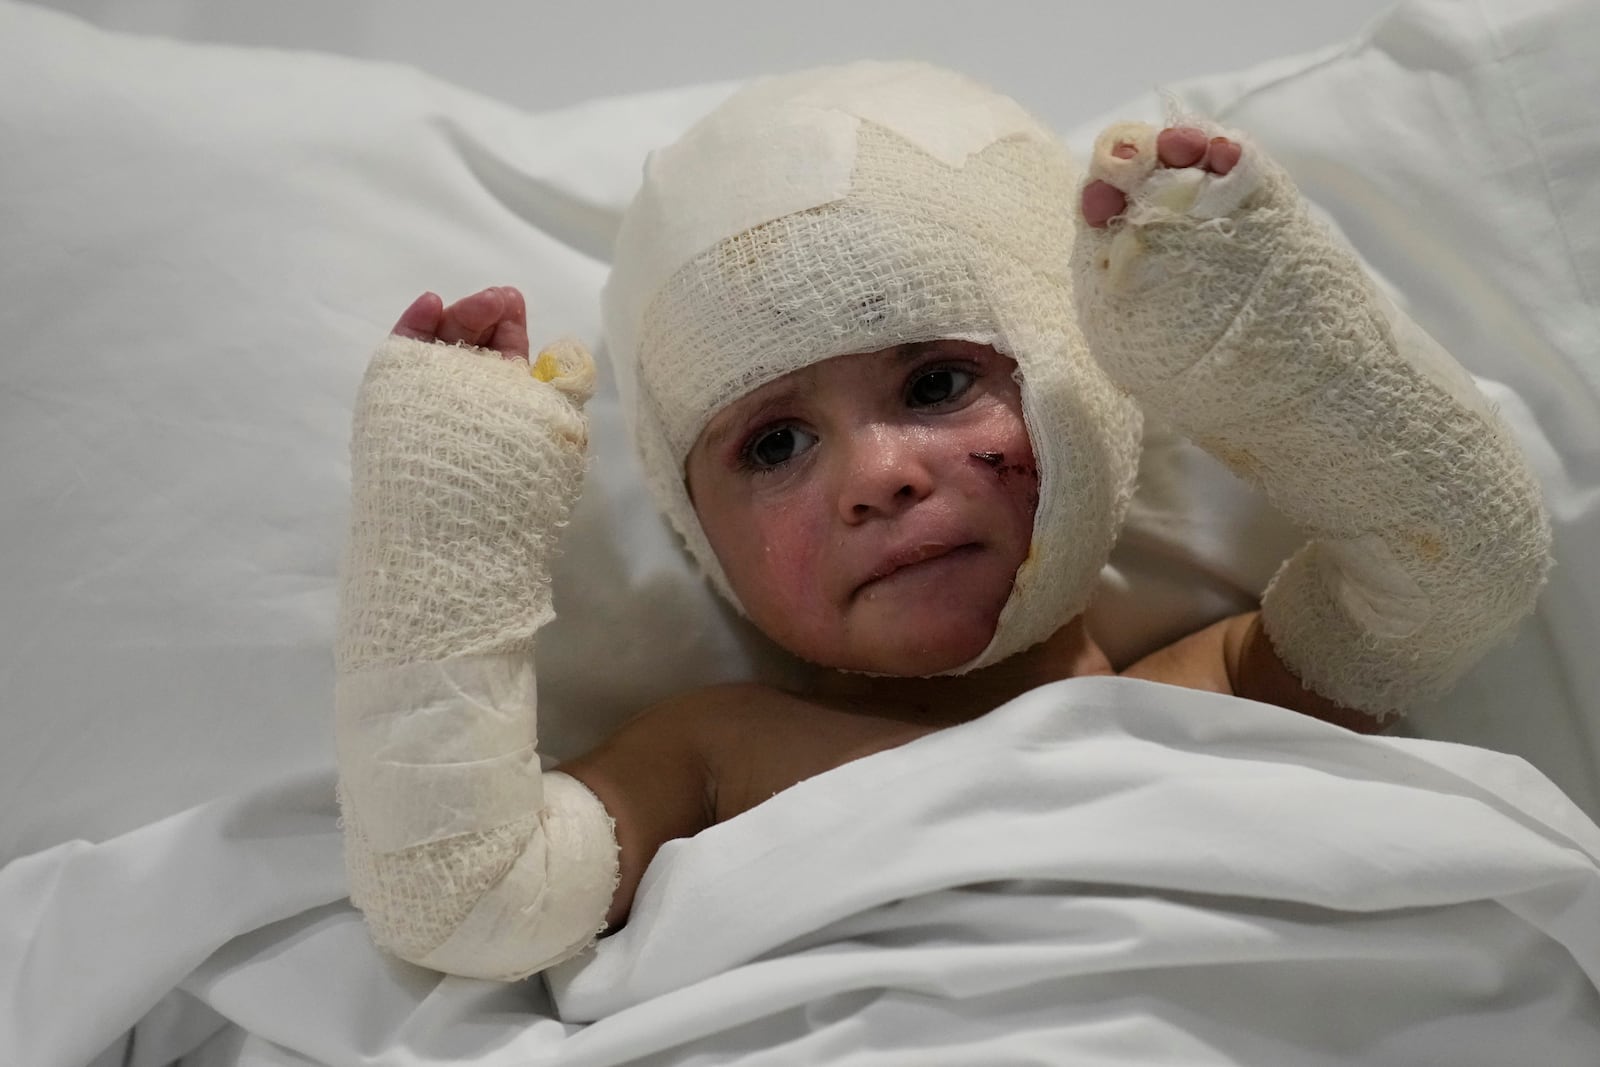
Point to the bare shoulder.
(709, 754)
(758, 741)
(1235, 656)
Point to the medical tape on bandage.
(804, 158)
(553, 900)
(432, 750)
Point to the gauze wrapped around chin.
(851, 209)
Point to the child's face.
(871, 511)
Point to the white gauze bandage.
(1230, 311)
(851, 209)
(462, 856)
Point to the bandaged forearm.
(1231, 313)
(461, 855)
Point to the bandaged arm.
(1230, 312)
(461, 855)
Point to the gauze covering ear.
(848, 210)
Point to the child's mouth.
(914, 557)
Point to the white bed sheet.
(1104, 871)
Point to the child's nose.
(887, 472)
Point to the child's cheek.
(1008, 452)
(1019, 478)
(793, 542)
(790, 570)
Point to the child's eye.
(938, 386)
(777, 446)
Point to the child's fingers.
(494, 318)
(510, 339)
(511, 334)
(472, 319)
(516, 307)
(420, 321)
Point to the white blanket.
(1102, 871)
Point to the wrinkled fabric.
(1102, 871)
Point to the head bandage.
(848, 210)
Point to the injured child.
(886, 353)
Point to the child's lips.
(912, 556)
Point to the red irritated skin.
(871, 510)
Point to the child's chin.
(936, 654)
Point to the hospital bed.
(200, 242)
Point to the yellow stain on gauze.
(546, 367)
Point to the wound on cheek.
(1004, 471)
(1021, 470)
(997, 462)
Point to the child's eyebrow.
(718, 433)
(912, 351)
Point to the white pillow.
(202, 244)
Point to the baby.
(885, 354)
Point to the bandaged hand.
(464, 465)
(1208, 291)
